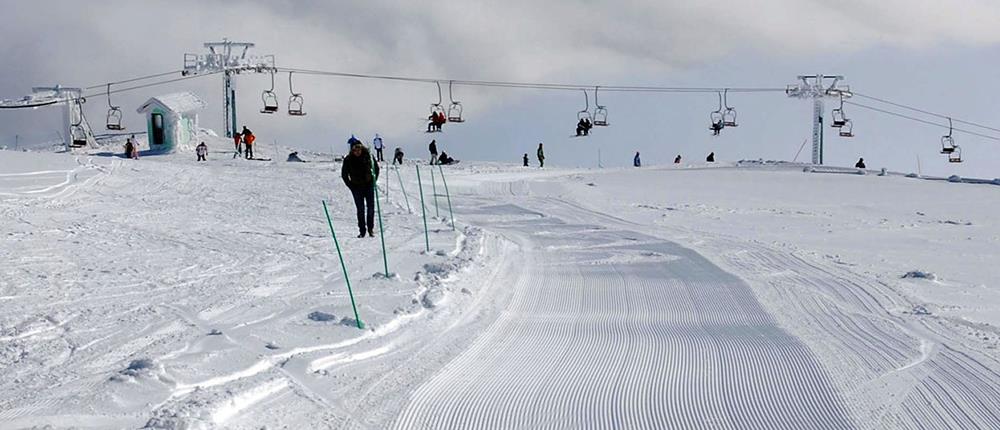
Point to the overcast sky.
(940, 56)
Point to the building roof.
(177, 102)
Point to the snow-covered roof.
(177, 102)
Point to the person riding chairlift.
(437, 120)
(583, 127)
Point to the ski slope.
(163, 293)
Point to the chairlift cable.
(896, 114)
(925, 112)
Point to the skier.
(710, 158)
(433, 148)
(678, 159)
(202, 151)
(525, 159)
(636, 161)
(129, 148)
(860, 164)
(541, 156)
(360, 174)
(445, 159)
(248, 139)
(377, 143)
(397, 156)
(238, 140)
(352, 141)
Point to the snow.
(166, 293)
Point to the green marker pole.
(401, 187)
(378, 209)
(387, 187)
(343, 266)
(437, 214)
(446, 193)
(423, 210)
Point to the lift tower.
(815, 87)
(230, 58)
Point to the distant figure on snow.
(860, 164)
(248, 139)
(360, 173)
(525, 159)
(636, 162)
(294, 158)
(129, 147)
(541, 156)
(433, 148)
(446, 159)
(238, 140)
(352, 141)
(202, 151)
(377, 143)
(397, 156)
(678, 159)
(710, 158)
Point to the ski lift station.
(171, 120)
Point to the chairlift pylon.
(295, 100)
(600, 112)
(113, 121)
(269, 98)
(455, 109)
(717, 118)
(729, 115)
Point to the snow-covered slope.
(170, 294)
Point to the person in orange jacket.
(248, 139)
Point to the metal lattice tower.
(230, 58)
(815, 87)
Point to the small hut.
(171, 120)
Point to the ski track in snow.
(675, 344)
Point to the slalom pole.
(448, 194)
(378, 209)
(387, 186)
(423, 210)
(340, 255)
(437, 214)
(401, 187)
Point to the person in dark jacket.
(446, 159)
(710, 158)
(525, 159)
(677, 160)
(433, 148)
(860, 164)
(541, 156)
(636, 161)
(397, 157)
(359, 173)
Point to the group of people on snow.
(244, 141)
(131, 148)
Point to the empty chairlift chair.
(600, 112)
(948, 146)
(295, 101)
(113, 121)
(455, 109)
(729, 115)
(270, 99)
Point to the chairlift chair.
(600, 112)
(839, 120)
(455, 109)
(729, 115)
(113, 121)
(270, 99)
(847, 129)
(295, 101)
(718, 119)
(955, 156)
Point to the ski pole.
(340, 255)
(448, 194)
(401, 187)
(423, 210)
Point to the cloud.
(81, 43)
